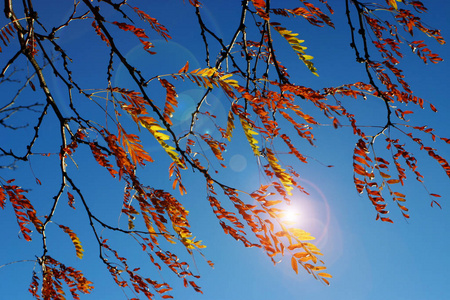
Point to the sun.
(291, 215)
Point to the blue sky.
(368, 259)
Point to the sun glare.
(291, 215)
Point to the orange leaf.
(295, 246)
(185, 68)
(387, 220)
(294, 264)
(399, 194)
(325, 275)
(393, 181)
(270, 203)
(384, 175)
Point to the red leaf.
(433, 108)
(71, 200)
(434, 202)
(387, 220)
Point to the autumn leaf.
(281, 115)
(230, 125)
(295, 44)
(71, 200)
(2, 197)
(285, 178)
(171, 100)
(433, 108)
(294, 264)
(249, 133)
(393, 3)
(23, 209)
(185, 68)
(75, 240)
(301, 234)
(326, 275)
(157, 131)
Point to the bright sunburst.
(291, 215)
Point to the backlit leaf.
(230, 125)
(433, 108)
(156, 130)
(393, 3)
(284, 177)
(185, 68)
(294, 264)
(249, 133)
(75, 240)
(295, 43)
(326, 275)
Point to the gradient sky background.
(368, 259)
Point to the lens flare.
(291, 215)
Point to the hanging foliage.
(117, 125)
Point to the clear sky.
(368, 259)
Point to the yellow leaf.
(307, 258)
(312, 247)
(301, 234)
(155, 130)
(285, 179)
(295, 44)
(230, 125)
(208, 83)
(200, 72)
(393, 3)
(75, 240)
(208, 72)
(232, 82)
(299, 48)
(225, 76)
(290, 35)
(249, 135)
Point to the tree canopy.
(107, 131)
